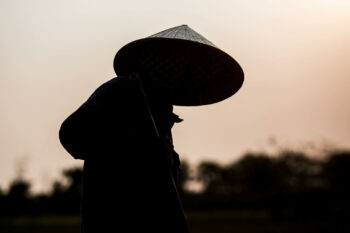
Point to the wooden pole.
(135, 76)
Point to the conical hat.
(191, 69)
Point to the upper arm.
(96, 124)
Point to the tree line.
(290, 185)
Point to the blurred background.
(274, 157)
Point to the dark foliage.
(64, 199)
(291, 185)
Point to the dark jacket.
(126, 181)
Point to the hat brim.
(192, 73)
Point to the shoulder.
(112, 87)
(115, 90)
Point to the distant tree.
(17, 199)
(75, 180)
(184, 177)
(336, 172)
(211, 175)
(299, 172)
(66, 198)
(255, 173)
(258, 180)
(58, 188)
(2, 202)
(19, 189)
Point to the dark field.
(199, 222)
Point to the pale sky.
(295, 55)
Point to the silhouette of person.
(123, 131)
(126, 183)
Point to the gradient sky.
(295, 55)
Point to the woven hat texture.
(183, 62)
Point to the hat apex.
(183, 32)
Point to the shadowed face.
(161, 107)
